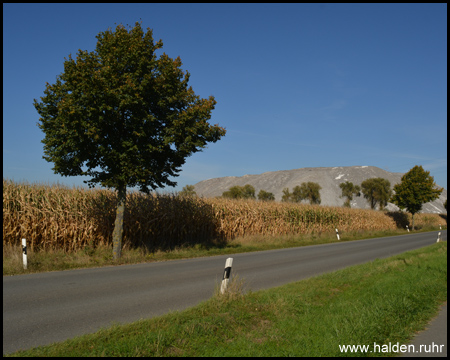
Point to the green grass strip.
(383, 301)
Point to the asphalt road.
(40, 309)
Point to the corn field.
(55, 217)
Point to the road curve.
(40, 309)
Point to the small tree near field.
(240, 192)
(124, 117)
(286, 197)
(265, 196)
(306, 191)
(248, 191)
(376, 191)
(234, 192)
(348, 190)
(297, 194)
(416, 188)
(311, 192)
(188, 190)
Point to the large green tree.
(416, 188)
(377, 191)
(124, 117)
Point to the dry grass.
(52, 217)
(247, 217)
(70, 219)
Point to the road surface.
(40, 309)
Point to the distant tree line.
(416, 188)
(308, 191)
(247, 192)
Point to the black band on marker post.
(226, 273)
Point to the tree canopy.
(311, 192)
(265, 196)
(348, 190)
(123, 116)
(286, 195)
(240, 192)
(188, 190)
(376, 191)
(416, 188)
(297, 194)
(306, 191)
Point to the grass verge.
(101, 255)
(386, 300)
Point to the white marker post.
(337, 234)
(439, 237)
(407, 228)
(226, 275)
(24, 251)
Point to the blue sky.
(297, 85)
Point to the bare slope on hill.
(328, 178)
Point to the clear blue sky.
(297, 85)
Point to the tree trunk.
(118, 224)
(413, 222)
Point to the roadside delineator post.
(439, 237)
(407, 228)
(337, 234)
(24, 252)
(226, 275)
